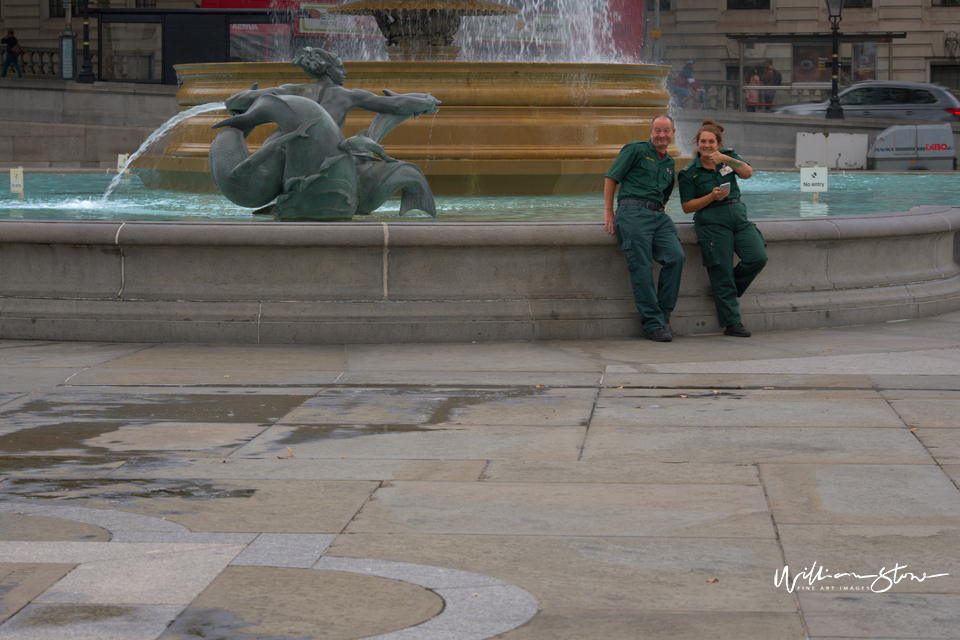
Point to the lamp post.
(834, 8)
(86, 75)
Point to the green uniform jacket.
(695, 181)
(642, 173)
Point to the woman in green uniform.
(708, 189)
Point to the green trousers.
(722, 231)
(646, 235)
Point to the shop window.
(747, 4)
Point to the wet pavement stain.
(117, 490)
(54, 437)
(217, 624)
(153, 407)
(303, 434)
(72, 614)
(694, 396)
(10, 465)
(441, 405)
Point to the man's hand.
(608, 221)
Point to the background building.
(699, 30)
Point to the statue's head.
(317, 63)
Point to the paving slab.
(267, 506)
(21, 582)
(922, 382)
(16, 380)
(472, 378)
(873, 615)
(577, 623)
(527, 406)
(82, 466)
(890, 558)
(262, 357)
(113, 572)
(474, 357)
(414, 442)
(119, 377)
(627, 376)
(929, 412)
(283, 467)
(861, 494)
(85, 621)
(630, 575)
(943, 445)
(212, 437)
(297, 603)
(743, 408)
(62, 355)
(941, 361)
(750, 445)
(546, 508)
(45, 529)
(626, 471)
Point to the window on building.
(946, 74)
(56, 8)
(858, 4)
(946, 3)
(150, 4)
(747, 4)
(664, 5)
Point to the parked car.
(888, 99)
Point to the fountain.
(503, 127)
(543, 128)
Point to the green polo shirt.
(642, 173)
(695, 181)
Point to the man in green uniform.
(645, 174)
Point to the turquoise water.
(767, 195)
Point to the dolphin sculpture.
(307, 165)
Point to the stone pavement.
(602, 489)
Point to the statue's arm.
(394, 103)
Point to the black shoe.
(737, 330)
(660, 335)
(668, 328)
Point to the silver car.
(888, 99)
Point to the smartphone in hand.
(725, 186)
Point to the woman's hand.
(717, 158)
(720, 194)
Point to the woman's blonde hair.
(711, 127)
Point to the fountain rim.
(922, 219)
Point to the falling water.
(156, 135)
(542, 31)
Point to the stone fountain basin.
(368, 282)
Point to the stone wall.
(50, 123)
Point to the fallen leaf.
(540, 386)
(915, 429)
(682, 396)
(712, 580)
(715, 392)
(286, 457)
